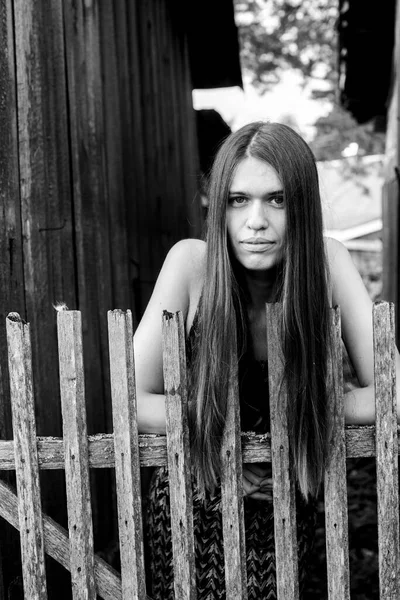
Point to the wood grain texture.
(92, 242)
(127, 463)
(90, 199)
(178, 452)
(386, 450)
(26, 460)
(131, 125)
(114, 137)
(46, 208)
(72, 390)
(232, 494)
(56, 544)
(143, 278)
(12, 294)
(283, 483)
(360, 441)
(335, 493)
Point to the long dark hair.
(301, 287)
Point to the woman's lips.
(257, 244)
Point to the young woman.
(264, 243)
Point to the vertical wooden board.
(283, 483)
(147, 208)
(26, 458)
(232, 496)
(90, 199)
(12, 297)
(45, 188)
(139, 239)
(166, 216)
(171, 118)
(336, 516)
(46, 245)
(92, 235)
(173, 110)
(72, 389)
(178, 453)
(191, 198)
(176, 34)
(126, 444)
(131, 157)
(114, 136)
(386, 450)
(390, 238)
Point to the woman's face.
(256, 215)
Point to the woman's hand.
(256, 483)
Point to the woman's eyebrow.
(238, 192)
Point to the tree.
(276, 35)
(338, 130)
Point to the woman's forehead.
(254, 173)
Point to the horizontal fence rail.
(360, 442)
(126, 451)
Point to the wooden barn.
(99, 175)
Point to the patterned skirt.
(209, 553)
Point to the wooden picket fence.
(127, 451)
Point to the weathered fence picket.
(127, 463)
(126, 451)
(178, 452)
(232, 496)
(72, 391)
(386, 451)
(335, 490)
(26, 460)
(287, 578)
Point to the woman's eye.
(237, 200)
(277, 200)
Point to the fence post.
(286, 552)
(178, 453)
(336, 516)
(232, 495)
(26, 458)
(126, 444)
(386, 449)
(72, 388)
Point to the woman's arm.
(177, 288)
(350, 294)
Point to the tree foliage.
(302, 35)
(276, 35)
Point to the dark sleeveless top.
(253, 386)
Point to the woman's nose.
(257, 216)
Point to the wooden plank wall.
(98, 179)
(391, 188)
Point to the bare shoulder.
(335, 251)
(346, 281)
(186, 260)
(179, 283)
(340, 262)
(189, 253)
